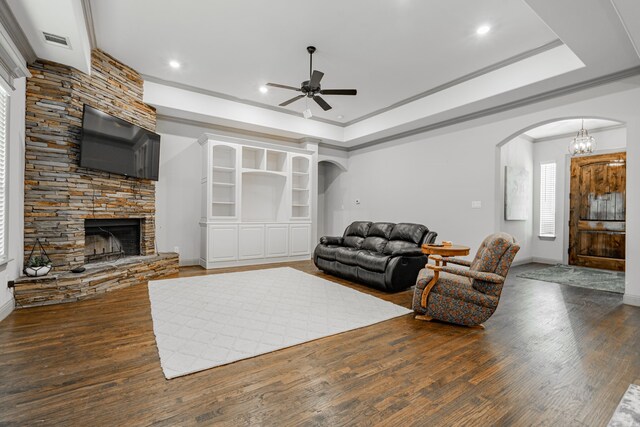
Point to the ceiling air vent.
(57, 40)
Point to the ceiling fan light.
(307, 113)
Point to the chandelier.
(582, 143)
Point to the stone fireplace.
(84, 216)
(111, 239)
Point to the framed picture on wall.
(517, 194)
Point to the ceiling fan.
(311, 88)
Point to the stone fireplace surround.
(60, 195)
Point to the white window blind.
(548, 199)
(3, 173)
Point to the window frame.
(4, 213)
(544, 202)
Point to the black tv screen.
(114, 145)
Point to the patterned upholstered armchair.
(465, 296)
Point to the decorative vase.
(37, 271)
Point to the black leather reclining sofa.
(382, 255)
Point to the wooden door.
(597, 211)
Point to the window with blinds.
(3, 174)
(547, 200)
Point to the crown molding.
(572, 134)
(231, 130)
(88, 20)
(214, 94)
(566, 90)
(488, 69)
(11, 26)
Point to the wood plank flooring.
(551, 355)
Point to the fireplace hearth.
(111, 239)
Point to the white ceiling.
(566, 127)
(61, 17)
(388, 50)
(417, 64)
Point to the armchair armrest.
(477, 275)
(330, 240)
(407, 252)
(458, 261)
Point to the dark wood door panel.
(598, 211)
(602, 244)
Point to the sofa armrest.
(331, 240)
(408, 252)
(430, 237)
(458, 261)
(477, 275)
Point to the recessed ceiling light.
(483, 29)
(340, 116)
(264, 89)
(174, 64)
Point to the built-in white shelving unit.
(256, 202)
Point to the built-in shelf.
(223, 168)
(300, 187)
(256, 202)
(264, 172)
(223, 181)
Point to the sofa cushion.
(396, 245)
(375, 244)
(358, 228)
(372, 261)
(353, 241)
(327, 252)
(347, 255)
(408, 232)
(381, 229)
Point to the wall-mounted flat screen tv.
(113, 145)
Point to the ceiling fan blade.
(295, 98)
(339, 92)
(283, 86)
(316, 76)
(322, 103)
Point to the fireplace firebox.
(111, 239)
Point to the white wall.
(518, 153)
(15, 204)
(178, 196)
(432, 178)
(556, 150)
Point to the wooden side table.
(440, 251)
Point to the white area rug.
(207, 321)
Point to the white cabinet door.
(223, 243)
(300, 236)
(277, 242)
(251, 241)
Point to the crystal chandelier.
(582, 143)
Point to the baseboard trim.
(189, 262)
(546, 261)
(631, 299)
(6, 309)
(522, 262)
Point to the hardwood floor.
(551, 355)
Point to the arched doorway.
(330, 193)
(526, 154)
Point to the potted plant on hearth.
(38, 264)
